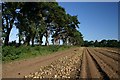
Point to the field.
(46, 40)
(84, 62)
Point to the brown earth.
(18, 69)
(81, 62)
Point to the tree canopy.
(102, 43)
(35, 20)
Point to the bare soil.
(18, 69)
(81, 62)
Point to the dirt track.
(18, 69)
(99, 63)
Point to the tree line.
(102, 43)
(37, 19)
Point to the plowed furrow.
(109, 61)
(110, 54)
(92, 67)
(83, 73)
(104, 66)
(103, 74)
(112, 51)
(89, 67)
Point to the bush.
(53, 48)
(12, 53)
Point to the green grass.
(0, 54)
(12, 53)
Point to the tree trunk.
(53, 41)
(33, 40)
(40, 40)
(27, 40)
(59, 41)
(63, 40)
(47, 42)
(8, 33)
(20, 33)
(8, 29)
(7, 37)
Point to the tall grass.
(10, 53)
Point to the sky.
(99, 20)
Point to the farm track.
(97, 63)
(18, 69)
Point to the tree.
(8, 19)
(40, 19)
(103, 43)
(112, 43)
(96, 44)
(86, 43)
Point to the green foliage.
(103, 43)
(10, 53)
(35, 20)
